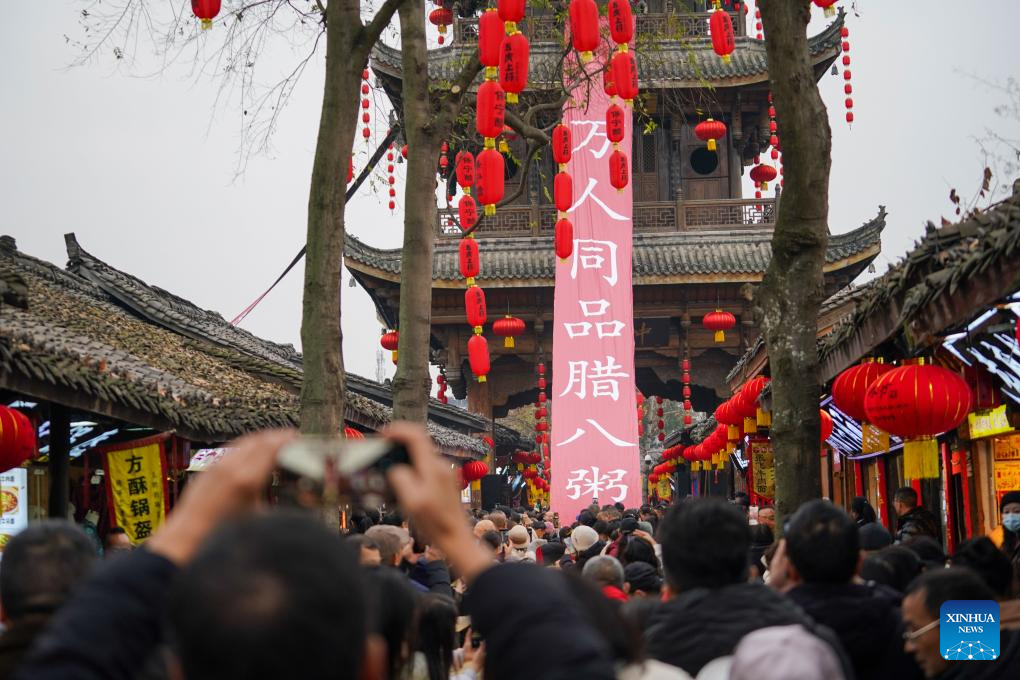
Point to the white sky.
(142, 169)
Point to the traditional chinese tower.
(698, 243)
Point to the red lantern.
(474, 306)
(710, 130)
(513, 65)
(508, 328)
(490, 180)
(474, 470)
(490, 37)
(441, 17)
(619, 169)
(478, 356)
(17, 439)
(467, 212)
(721, 27)
(561, 145)
(827, 5)
(351, 433)
(607, 80)
(918, 401)
(720, 322)
(469, 260)
(826, 423)
(764, 174)
(851, 387)
(206, 11)
(510, 11)
(584, 27)
(564, 238)
(616, 123)
(490, 114)
(466, 171)
(389, 341)
(621, 21)
(625, 75)
(563, 191)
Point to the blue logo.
(969, 630)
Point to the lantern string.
(351, 190)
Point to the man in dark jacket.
(705, 543)
(912, 519)
(42, 566)
(824, 556)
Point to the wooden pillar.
(60, 456)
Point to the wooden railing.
(649, 218)
(676, 25)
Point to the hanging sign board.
(136, 487)
(763, 464)
(988, 422)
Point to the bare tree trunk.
(412, 383)
(347, 46)
(792, 291)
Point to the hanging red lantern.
(490, 179)
(511, 12)
(490, 38)
(508, 328)
(720, 322)
(710, 130)
(721, 28)
(206, 11)
(764, 174)
(564, 238)
(608, 86)
(851, 387)
(826, 424)
(490, 114)
(351, 433)
(563, 191)
(625, 75)
(469, 260)
(621, 21)
(390, 340)
(474, 470)
(17, 439)
(917, 401)
(478, 356)
(685, 365)
(474, 306)
(513, 65)
(827, 5)
(350, 169)
(467, 212)
(687, 392)
(616, 123)
(619, 169)
(584, 27)
(441, 17)
(561, 145)
(541, 383)
(465, 171)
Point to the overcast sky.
(143, 169)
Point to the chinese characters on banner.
(136, 487)
(14, 500)
(763, 468)
(594, 434)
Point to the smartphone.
(476, 640)
(342, 471)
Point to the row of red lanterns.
(366, 132)
(848, 87)
(443, 385)
(685, 366)
(563, 192)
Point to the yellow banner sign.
(763, 466)
(988, 422)
(1006, 448)
(873, 440)
(135, 483)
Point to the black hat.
(874, 536)
(550, 552)
(642, 576)
(1009, 497)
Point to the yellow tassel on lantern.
(711, 145)
(921, 458)
(394, 356)
(508, 342)
(764, 418)
(482, 379)
(490, 209)
(206, 24)
(503, 146)
(732, 433)
(720, 336)
(476, 485)
(750, 425)
(489, 142)
(726, 59)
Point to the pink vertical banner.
(595, 453)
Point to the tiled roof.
(672, 63)
(105, 337)
(655, 255)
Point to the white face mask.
(1011, 521)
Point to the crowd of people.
(229, 589)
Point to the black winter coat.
(868, 623)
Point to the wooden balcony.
(656, 217)
(678, 24)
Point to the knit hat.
(583, 537)
(642, 576)
(784, 653)
(1009, 497)
(874, 536)
(519, 536)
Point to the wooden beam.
(60, 459)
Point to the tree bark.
(348, 42)
(412, 382)
(792, 291)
